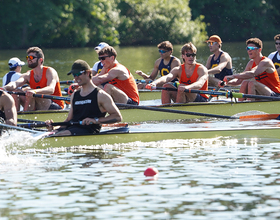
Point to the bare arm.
(24, 79)
(224, 60)
(154, 73)
(10, 110)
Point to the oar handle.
(43, 124)
(42, 96)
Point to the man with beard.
(41, 79)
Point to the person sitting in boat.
(191, 75)
(41, 79)
(89, 104)
(260, 76)
(8, 111)
(163, 65)
(121, 83)
(275, 56)
(219, 64)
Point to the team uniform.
(128, 86)
(224, 72)
(85, 107)
(275, 57)
(271, 80)
(57, 104)
(188, 81)
(97, 67)
(165, 69)
(10, 77)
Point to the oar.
(68, 123)
(216, 89)
(174, 111)
(67, 82)
(42, 96)
(243, 118)
(43, 124)
(17, 128)
(28, 120)
(228, 94)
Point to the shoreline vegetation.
(85, 23)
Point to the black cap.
(78, 66)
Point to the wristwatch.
(97, 120)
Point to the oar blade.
(259, 117)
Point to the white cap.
(14, 62)
(101, 46)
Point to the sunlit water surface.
(221, 178)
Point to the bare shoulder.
(51, 70)
(176, 61)
(157, 62)
(226, 55)
(202, 69)
(102, 95)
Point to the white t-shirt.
(270, 56)
(14, 77)
(95, 66)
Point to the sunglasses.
(78, 74)
(103, 58)
(277, 43)
(162, 51)
(212, 43)
(252, 48)
(30, 57)
(190, 54)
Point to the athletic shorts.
(131, 102)
(54, 106)
(200, 98)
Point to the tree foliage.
(236, 20)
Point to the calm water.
(218, 178)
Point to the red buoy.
(151, 171)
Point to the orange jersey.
(43, 83)
(128, 86)
(187, 81)
(271, 80)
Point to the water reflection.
(198, 179)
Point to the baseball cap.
(214, 38)
(101, 46)
(14, 62)
(78, 66)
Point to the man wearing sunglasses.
(121, 83)
(191, 75)
(275, 56)
(89, 105)
(219, 64)
(41, 79)
(260, 76)
(163, 65)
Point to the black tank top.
(87, 107)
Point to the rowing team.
(90, 104)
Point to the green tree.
(237, 20)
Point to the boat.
(167, 112)
(146, 132)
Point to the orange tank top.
(128, 86)
(271, 80)
(43, 83)
(187, 81)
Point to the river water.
(209, 178)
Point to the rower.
(89, 104)
(163, 65)
(191, 74)
(41, 79)
(260, 76)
